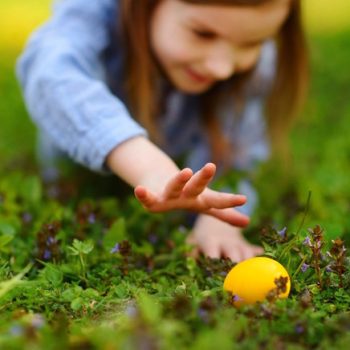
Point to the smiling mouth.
(198, 77)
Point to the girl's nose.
(220, 64)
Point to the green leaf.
(6, 286)
(53, 274)
(32, 190)
(71, 293)
(87, 247)
(149, 308)
(115, 234)
(90, 293)
(214, 339)
(121, 291)
(7, 229)
(77, 304)
(73, 251)
(81, 247)
(5, 240)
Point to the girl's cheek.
(181, 54)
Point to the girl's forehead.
(259, 20)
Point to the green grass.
(320, 141)
(17, 138)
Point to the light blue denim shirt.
(70, 74)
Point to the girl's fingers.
(233, 254)
(239, 252)
(229, 215)
(257, 250)
(175, 186)
(219, 200)
(250, 251)
(247, 252)
(211, 250)
(199, 180)
(147, 198)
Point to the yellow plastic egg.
(251, 280)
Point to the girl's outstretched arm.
(161, 186)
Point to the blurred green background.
(320, 140)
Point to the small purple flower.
(282, 233)
(153, 238)
(47, 254)
(329, 268)
(131, 311)
(203, 315)
(38, 321)
(16, 330)
(115, 249)
(304, 267)
(307, 241)
(299, 329)
(91, 218)
(27, 218)
(236, 298)
(51, 240)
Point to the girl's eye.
(203, 34)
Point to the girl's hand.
(216, 239)
(189, 191)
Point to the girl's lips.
(197, 77)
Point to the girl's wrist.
(139, 162)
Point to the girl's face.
(199, 45)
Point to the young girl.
(127, 86)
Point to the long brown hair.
(141, 73)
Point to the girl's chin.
(191, 88)
(182, 81)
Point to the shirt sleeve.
(63, 78)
